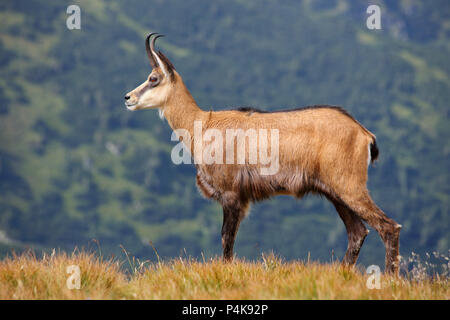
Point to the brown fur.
(322, 149)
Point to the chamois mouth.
(131, 106)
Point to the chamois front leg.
(233, 213)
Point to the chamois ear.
(168, 66)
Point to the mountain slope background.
(75, 165)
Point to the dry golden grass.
(27, 277)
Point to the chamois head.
(153, 93)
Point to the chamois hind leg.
(356, 232)
(234, 211)
(389, 231)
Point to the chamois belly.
(249, 184)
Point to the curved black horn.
(152, 43)
(149, 49)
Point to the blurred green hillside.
(75, 165)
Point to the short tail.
(374, 152)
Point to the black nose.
(127, 97)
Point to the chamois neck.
(181, 110)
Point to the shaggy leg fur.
(233, 212)
(387, 228)
(356, 232)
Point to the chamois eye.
(153, 79)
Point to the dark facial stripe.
(143, 89)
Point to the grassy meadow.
(26, 276)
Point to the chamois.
(322, 150)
